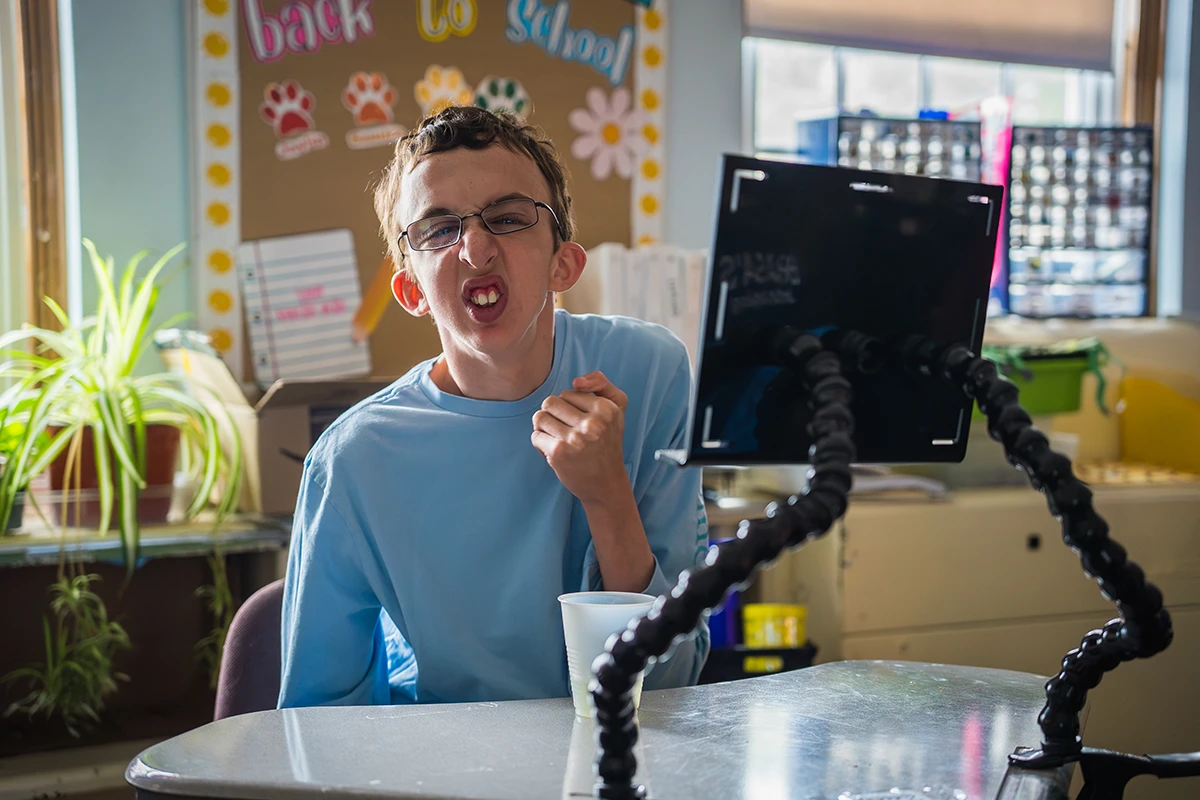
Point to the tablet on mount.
(834, 252)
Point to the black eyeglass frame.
(462, 221)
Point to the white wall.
(704, 112)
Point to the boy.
(439, 520)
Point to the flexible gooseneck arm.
(1142, 629)
(730, 564)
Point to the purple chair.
(249, 677)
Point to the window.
(884, 84)
(1040, 96)
(796, 81)
(12, 289)
(791, 82)
(958, 85)
(1099, 270)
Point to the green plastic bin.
(1052, 385)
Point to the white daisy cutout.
(610, 132)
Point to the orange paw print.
(369, 97)
(287, 108)
(441, 88)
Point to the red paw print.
(287, 108)
(369, 97)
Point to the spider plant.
(83, 377)
(219, 598)
(80, 646)
(10, 437)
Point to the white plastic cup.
(589, 618)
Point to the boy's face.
(523, 268)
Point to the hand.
(581, 433)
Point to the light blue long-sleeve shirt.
(437, 511)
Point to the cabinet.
(983, 579)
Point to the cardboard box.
(277, 428)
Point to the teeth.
(485, 298)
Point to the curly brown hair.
(474, 128)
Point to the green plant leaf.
(53, 448)
(119, 436)
(109, 308)
(9, 338)
(22, 356)
(65, 346)
(97, 337)
(211, 447)
(139, 430)
(130, 529)
(137, 321)
(127, 280)
(103, 477)
(16, 469)
(32, 411)
(58, 312)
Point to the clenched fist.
(581, 434)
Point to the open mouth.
(484, 297)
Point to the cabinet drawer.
(993, 555)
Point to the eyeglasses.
(505, 216)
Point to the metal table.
(855, 730)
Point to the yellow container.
(1159, 425)
(773, 625)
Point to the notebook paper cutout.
(300, 294)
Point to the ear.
(408, 294)
(567, 265)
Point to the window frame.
(12, 179)
(39, 268)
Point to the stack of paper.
(300, 294)
(663, 284)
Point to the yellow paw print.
(441, 88)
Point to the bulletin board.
(295, 109)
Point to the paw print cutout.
(287, 108)
(441, 88)
(502, 94)
(369, 97)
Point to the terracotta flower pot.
(154, 502)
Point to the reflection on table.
(853, 730)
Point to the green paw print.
(502, 94)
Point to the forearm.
(622, 551)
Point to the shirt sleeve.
(671, 504)
(334, 651)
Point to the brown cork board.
(329, 187)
